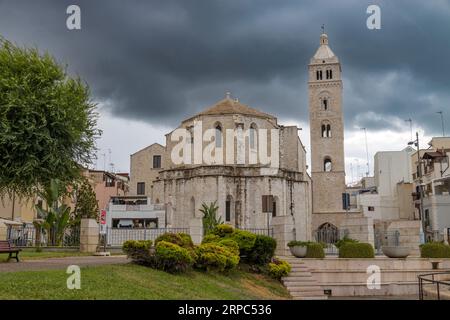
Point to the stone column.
(283, 232)
(89, 235)
(196, 230)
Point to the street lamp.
(419, 176)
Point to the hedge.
(263, 250)
(222, 230)
(211, 256)
(435, 250)
(279, 268)
(356, 250)
(315, 250)
(138, 251)
(345, 240)
(174, 238)
(245, 240)
(172, 258)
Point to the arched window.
(252, 136)
(327, 165)
(327, 233)
(319, 74)
(329, 74)
(326, 129)
(218, 136)
(325, 103)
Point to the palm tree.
(55, 218)
(210, 221)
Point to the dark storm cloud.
(160, 61)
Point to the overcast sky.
(151, 64)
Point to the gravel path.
(60, 263)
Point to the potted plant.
(396, 251)
(298, 248)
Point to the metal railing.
(115, 237)
(29, 236)
(386, 238)
(330, 237)
(438, 281)
(259, 231)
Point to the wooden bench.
(8, 247)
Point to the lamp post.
(419, 176)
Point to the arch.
(329, 74)
(327, 164)
(324, 98)
(157, 201)
(327, 233)
(218, 135)
(326, 129)
(253, 136)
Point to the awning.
(433, 155)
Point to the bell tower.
(326, 130)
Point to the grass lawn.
(137, 282)
(26, 255)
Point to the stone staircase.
(301, 283)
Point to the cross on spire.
(323, 28)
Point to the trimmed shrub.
(263, 250)
(434, 250)
(222, 230)
(245, 240)
(356, 250)
(295, 243)
(229, 244)
(187, 240)
(211, 256)
(345, 240)
(171, 257)
(315, 250)
(210, 238)
(138, 251)
(279, 268)
(174, 238)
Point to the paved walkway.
(60, 263)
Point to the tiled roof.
(230, 106)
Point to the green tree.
(86, 203)
(210, 220)
(47, 122)
(55, 218)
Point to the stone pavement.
(60, 263)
